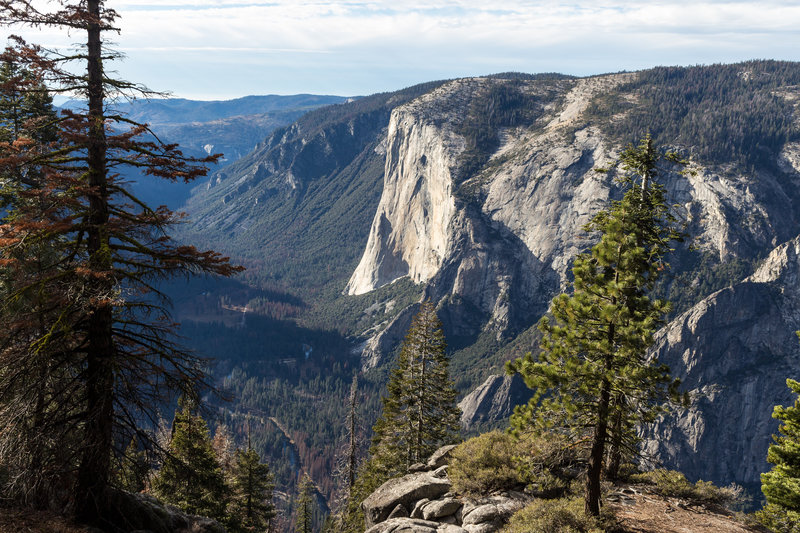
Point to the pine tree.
(224, 447)
(305, 506)
(252, 484)
(191, 478)
(352, 440)
(107, 326)
(419, 412)
(26, 114)
(592, 372)
(346, 467)
(33, 444)
(781, 485)
(131, 469)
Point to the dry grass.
(644, 512)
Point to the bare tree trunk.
(93, 472)
(595, 471)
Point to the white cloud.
(343, 41)
(343, 24)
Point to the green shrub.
(675, 484)
(484, 464)
(564, 515)
(496, 461)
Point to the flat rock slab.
(483, 513)
(482, 528)
(405, 491)
(450, 528)
(495, 509)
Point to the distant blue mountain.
(230, 127)
(180, 110)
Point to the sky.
(223, 49)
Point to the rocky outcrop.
(402, 491)
(493, 400)
(422, 502)
(405, 525)
(733, 352)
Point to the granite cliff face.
(492, 251)
(732, 351)
(493, 400)
(499, 250)
(408, 183)
(410, 231)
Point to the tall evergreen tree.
(224, 447)
(592, 373)
(110, 330)
(131, 469)
(33, 444)
(419, 412)
(781, 485)
(304, 522)
(252, 485)
(352, 437)
(27, 115)
(190, 477)
(347, 462)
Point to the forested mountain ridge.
(473, 193)
(230, 127)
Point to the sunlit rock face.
(493, 246)
(492, 249)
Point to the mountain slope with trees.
(349, 191)
(232, 128)
(592, 377)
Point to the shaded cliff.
(733, 352)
